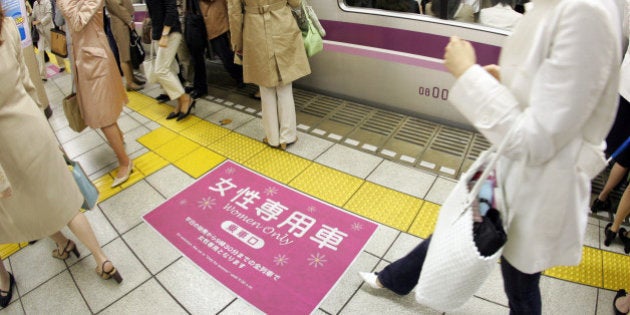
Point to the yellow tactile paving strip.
(196, 146)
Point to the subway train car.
(393, 60)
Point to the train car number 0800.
(434, 92)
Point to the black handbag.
(34, 35)
(195, 33)
(136, 49)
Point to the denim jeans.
(521, 289)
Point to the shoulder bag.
(58, 44)
(73, 113)
(454, 268)
(313, 42)
(87, 188)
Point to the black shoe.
(138, 81)
(62, 69)
(44, 79)
(599, 205)
(189, 89)
(172, 115)
(48, 112)
(621, 293)
(623, 236)
(6, 299)
(610, 235)
(196, 94)
(183, 115)
(162, 98)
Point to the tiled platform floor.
(159, 280)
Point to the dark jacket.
(163, 13)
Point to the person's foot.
(134, 87)
(599, 205)
(196, 94)
(188, 89)
(123, 174)
(44, 79)
(371, 279)
(138, 81)
(48, 112)
(62, 69)
(162, 98)
(256, 95)
(6, 290)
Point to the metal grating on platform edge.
(451, 141)
(351, 114)
(321, 107)
(416, 131)
(303, 98)
(383, 123)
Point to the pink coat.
(100, 90)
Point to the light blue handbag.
(88, 190)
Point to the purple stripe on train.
(416, 43)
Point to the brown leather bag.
(73, 113)
(58, 43)
(146, 30)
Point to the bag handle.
(474, 192)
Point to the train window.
(494, 13)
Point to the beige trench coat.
(45, 197)
(271, 42)
(121, 15)
(100, 90)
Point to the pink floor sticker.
(279, 249)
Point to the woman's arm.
(565, 91)
(79, 12)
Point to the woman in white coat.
(43, 20)
(557, 82)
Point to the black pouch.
(489, 235)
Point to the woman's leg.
(167, 79)
(115, 138)
(402, 275)
(522, 290)
(623, 209)
(80, 227)
(4, 277)
(286, 114)
(269, 102)
(617, 174)
(128, 74)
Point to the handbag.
(34, 35)
(58, 44)
(461, 254)
(313, 42)
(87, 188)
(136, 49)
(73, 113)
(146, 30)
(148, 66)
(313, 17)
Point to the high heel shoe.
(172, 115)
(623, 235)
(64, 253)
(6, 299)
(183, 115)
(124, 178)
(610, 235)
(106, 275)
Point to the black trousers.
(198, 59)
(221, 46)
(522, 289)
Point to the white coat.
(559, 79)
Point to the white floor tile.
(348, 160)
(149, 298)
(152, 249)
(58, 294)
(402, 178)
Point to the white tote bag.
(454, 269)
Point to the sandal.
(6, 298)
(621, 293)
(106, 275)
(63, 254)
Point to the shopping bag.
(58, 43)
(87, 188)
(73, 113)
(454, 268)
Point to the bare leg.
(623, 210)
(128, 73)
(80, 226)
(4, 277)
(623, 304)
(183, 102)
(617, 173)
(114, 137)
